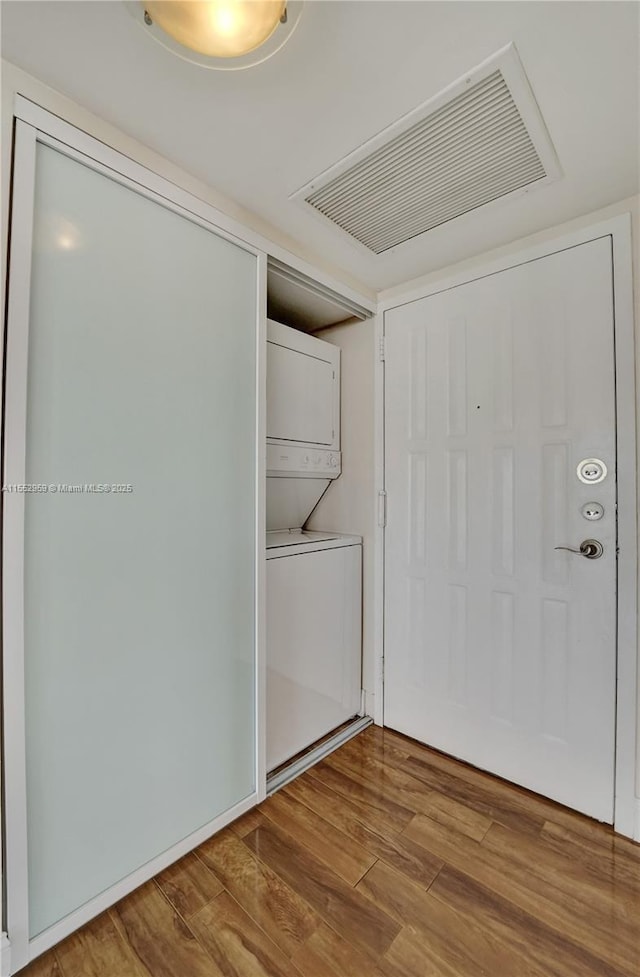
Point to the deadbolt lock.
(592, 511)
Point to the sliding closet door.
(139, 532)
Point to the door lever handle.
(591, 549)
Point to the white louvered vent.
(478, 141)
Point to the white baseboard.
(636, 829)
(5, 956)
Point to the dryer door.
(300, 397)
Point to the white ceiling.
(349, 70)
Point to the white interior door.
(500, 648)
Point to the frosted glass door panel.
(139, 599)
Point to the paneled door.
(500, 648)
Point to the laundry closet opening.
(313, 578)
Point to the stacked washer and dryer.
(314, 588)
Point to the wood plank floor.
(385, 860)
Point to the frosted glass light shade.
(217, 28)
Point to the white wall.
(348, 506)
(629, 205)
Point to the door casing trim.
(619, 230)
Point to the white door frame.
(626, 806)
(37, 125)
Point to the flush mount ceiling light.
(223, 34)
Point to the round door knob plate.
(592, 549)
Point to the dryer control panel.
(287, 460)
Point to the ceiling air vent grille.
(469, 149)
